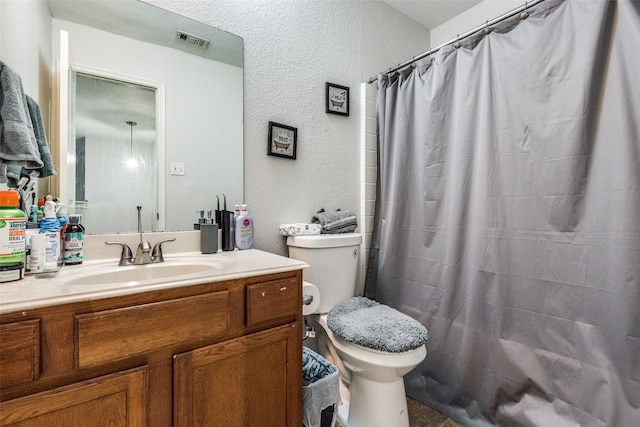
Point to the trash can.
(320, 390)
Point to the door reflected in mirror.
(113, 154)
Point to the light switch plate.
(177, 168)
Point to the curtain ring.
(457, 43)
(524, 15)
(487, 29)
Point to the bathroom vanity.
(219, 347)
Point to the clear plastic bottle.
(50, 227)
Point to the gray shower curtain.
(508, 218)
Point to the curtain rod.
(494, 21)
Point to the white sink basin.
(140, 273)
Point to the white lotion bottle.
(244, 229)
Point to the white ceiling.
(431, 13)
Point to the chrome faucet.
(145, 254)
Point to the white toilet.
(372, 386)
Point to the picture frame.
(283, 141)
(337, 99)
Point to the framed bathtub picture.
(337, 99)
(282, 140)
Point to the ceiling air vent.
(191, 39)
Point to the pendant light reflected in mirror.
(131, 161)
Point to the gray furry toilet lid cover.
(368, 323)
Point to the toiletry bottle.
(13, 222)
(73, 241)
(208, 235)
(218, 220)
(244, 229)
(61, 214)
(38, 255)
(50, 221)
(228, 226)
(33, 229)
(51, 228)
(228, 234)
(201, 220)
(33, 214)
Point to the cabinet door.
(250, 381)
(19, 352)
(113, 400)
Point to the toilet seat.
(367, 323)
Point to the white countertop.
(36, 291)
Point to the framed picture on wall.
(282, 140)
(337, 99)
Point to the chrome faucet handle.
(126, 257)
(156, 254)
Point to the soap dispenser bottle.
(208, 236)
(244, 229)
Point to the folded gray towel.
(368, 323)
(18, 143)
(335, 222)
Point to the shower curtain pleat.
(508, 218)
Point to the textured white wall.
(292, 47)
(25, 46)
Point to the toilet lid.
(368, 323)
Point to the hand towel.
(18, 143)
(15, 172)
(300, 229)
(41, 139)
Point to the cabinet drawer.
(19, 352)
(272, 300)
(112, 335)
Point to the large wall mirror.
(155, 115)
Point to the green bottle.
(13, 230)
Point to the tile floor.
(423, 416)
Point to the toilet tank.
(333, 261)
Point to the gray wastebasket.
(320, 390)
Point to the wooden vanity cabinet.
(219, 354)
